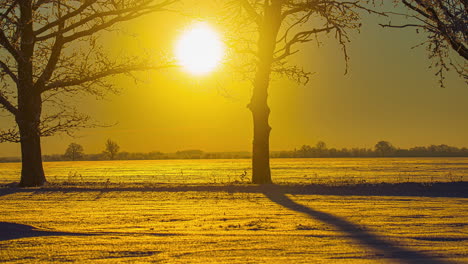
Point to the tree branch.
(401, 26)
(96, 28)
(39, 3)
(10, 135)
(100, 75)
(52, 61)
(7, 45)
(421, 12)
(62, 122)
(4, 15)
(64, 18)
(300, 37)
(120, 15)
(8, 71)
(251, 11)
(439, 27)
(7, 105)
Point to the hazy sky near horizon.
(389, 94)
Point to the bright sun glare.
(200, 49)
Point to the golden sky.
(388, 94)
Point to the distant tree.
(49, 53)
(384, 148)
(304, 150)
(111, 149)
(321, 146)
(74, 151)
(446, 23)
(279, 27)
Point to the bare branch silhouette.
(446, 23)
(50, 52)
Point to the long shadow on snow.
(389, 250)
(9, 231)
(438, 189)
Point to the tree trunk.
(32, 172)
(261, 142)
(259, 103)
(29, 104)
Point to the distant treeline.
(155, 155)
(381, 149)
(320, 150)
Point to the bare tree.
(321, 146)
(446, 23)
(48, 53)
(112, 148)
(279, 27)
(74, 151)
(384, 148)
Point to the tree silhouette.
(384, 148)
(74, 151)
(446, 22)
(111, 149)
(48, 52)
(321, 146)
(279, 27)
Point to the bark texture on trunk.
(261, 173)
(261, 141)
(29, 104)
(32, 172)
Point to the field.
(141, 221)
(371, 170)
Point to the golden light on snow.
(200, 49)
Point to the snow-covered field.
(228, 224)
(228, 170)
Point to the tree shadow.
(438, 189)
(388, 249)
(10, 231)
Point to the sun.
(200, 49)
